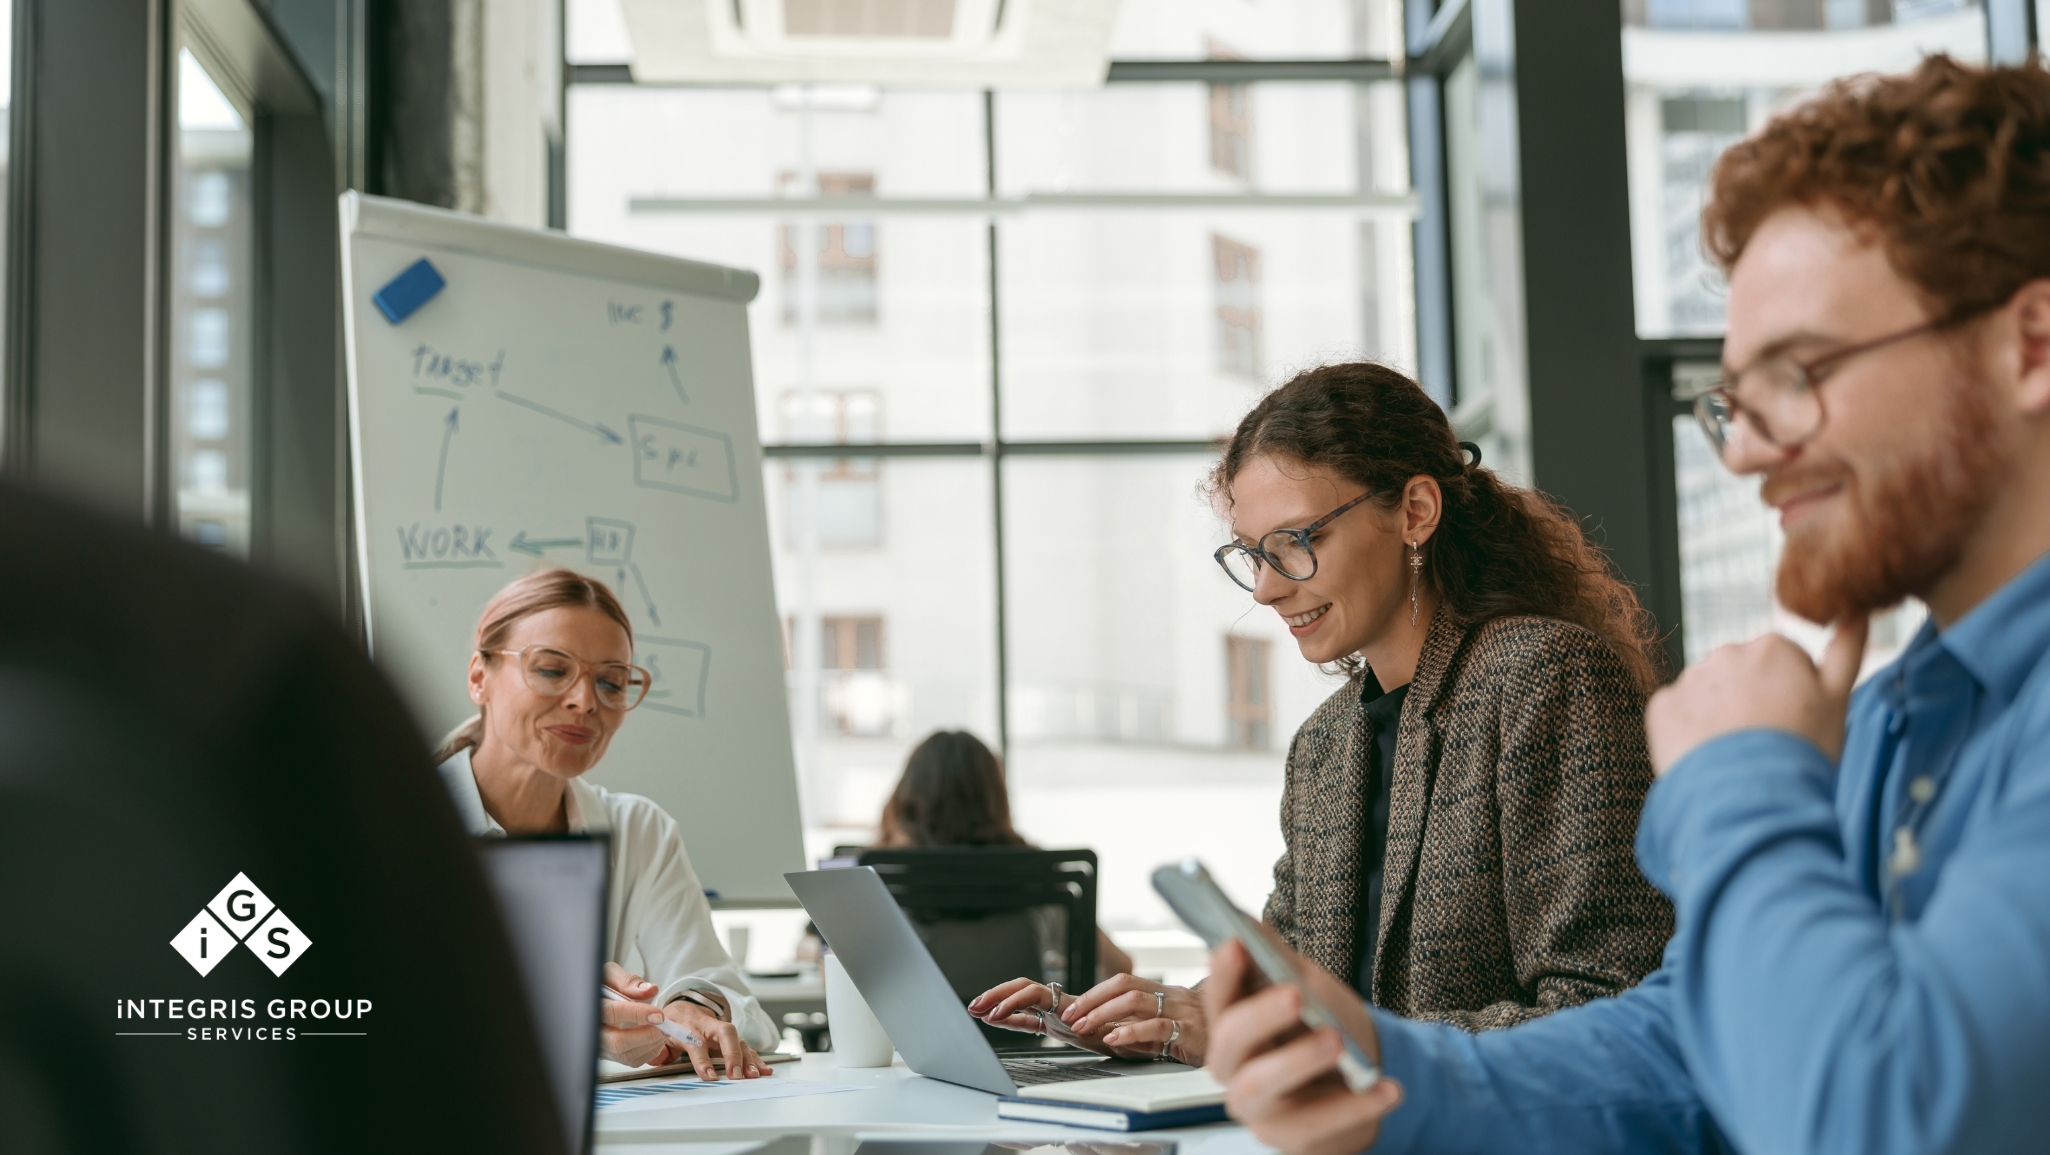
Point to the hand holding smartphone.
(1202, 904)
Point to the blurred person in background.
(1862, 963)
(953, 794)
(553, 680)
(1458, 815)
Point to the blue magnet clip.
(405, 293)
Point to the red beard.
(1907, 527)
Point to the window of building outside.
(1119, 693)
(849, 495)
(211, 259)
(1248, 710)
(846, 260)
(1238, 306)
(1231, 122)
(1700, 75)
(6, 91)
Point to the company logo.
(241, 915)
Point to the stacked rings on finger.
(1167, 1047)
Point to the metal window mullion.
(160, 489)
(996, 436)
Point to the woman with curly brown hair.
(1459, 815)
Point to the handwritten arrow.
(669, 362)
(643, 584)
(441, 471)
(545, 411)
(534, 546)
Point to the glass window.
(905, 635)
(1137, 677)
(1248, 707)
(6, 91)
(1700, 74)
(211, 315)
(1122, 699)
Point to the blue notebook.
(1182, 1098)
(1106, 1118)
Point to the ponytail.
(463, 737)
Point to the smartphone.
(1202, 904)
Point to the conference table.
(883, 1103)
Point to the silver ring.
(1159, 1004)
(1172, 1039)
(1057, 993)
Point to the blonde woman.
(553, 679)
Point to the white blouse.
(659, 923)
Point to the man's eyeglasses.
(1287, 550)
(1777, 397)
(550, 673)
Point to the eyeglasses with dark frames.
(1287, 550)
(1778, 398)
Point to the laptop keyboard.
(1033, 1072)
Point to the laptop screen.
(551, 893)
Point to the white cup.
(858, 1039)
(736, 945)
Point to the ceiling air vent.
(893, 19)
(972, 44)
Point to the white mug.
(736, 945)
(858, 1039)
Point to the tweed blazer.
(1510, 883)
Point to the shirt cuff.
(1715, 789)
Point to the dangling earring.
(1416, 570)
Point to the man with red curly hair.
(1862, 880)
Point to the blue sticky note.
(408, 291)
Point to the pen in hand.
(658, 1020)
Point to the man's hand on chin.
(1765, 682)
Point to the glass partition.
(1701, 74)
(211, 261)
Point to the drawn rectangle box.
(683, 458)
(608, 542)
(677, 671)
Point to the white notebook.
(1149, 1094)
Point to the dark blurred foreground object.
(169, 720)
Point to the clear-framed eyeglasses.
(1287, 550)
(551, 673)
(1777, 398)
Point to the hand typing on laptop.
(1123, 1016)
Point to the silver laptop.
(912, 998)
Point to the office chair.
(990, 914)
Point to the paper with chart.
(561, 402)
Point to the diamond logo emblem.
(204, 942)
(278, 942)
(243, 914)
(240, 906)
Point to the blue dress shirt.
(1862, 958)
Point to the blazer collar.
(1409, 786)
(1441, 645)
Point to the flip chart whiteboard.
(561, 402)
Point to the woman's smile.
(574, 735)
(1304, 624)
